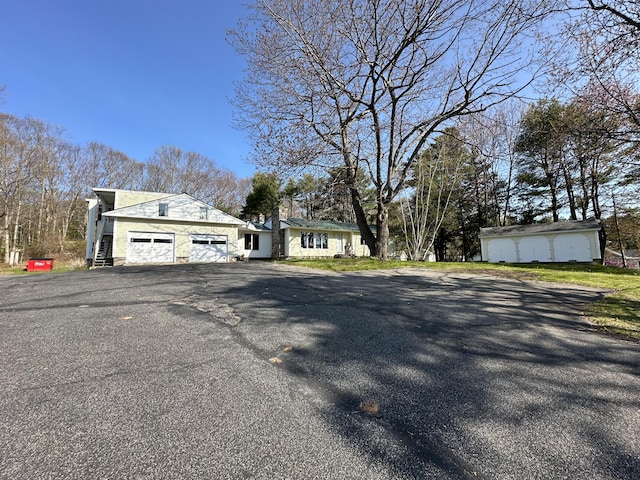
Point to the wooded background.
(429, 120)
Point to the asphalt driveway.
(254, 370)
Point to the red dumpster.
(35, 264)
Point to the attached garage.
(208, 248)
(150, 247)
(151, 227)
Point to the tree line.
(405, 115)
(45, 179)
(411, 94)
(514, 164)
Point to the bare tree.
(425, 204)
(106, 167)
(491, 136)
(15, 168)
(173, 170)
(367, 83)
(601, 45)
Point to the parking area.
(258, 370)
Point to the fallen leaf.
(370, 407)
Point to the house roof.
(109, 194)
(179, 202)
(540, 228)
(256, 226)
(321, 225)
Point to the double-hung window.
(251, 241)
(163, 210)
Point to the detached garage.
(569, 241)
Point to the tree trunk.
(361, 219)
(5, 235)
(382, 234)
(571, 197)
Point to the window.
(314, 240)
(204, 213)
(251, 241)
(163, 210)
(362, 242)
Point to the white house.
(312, 238)
(255, 240)
(126, 227)
(134, 227)
(568, 241)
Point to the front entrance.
(339, 243)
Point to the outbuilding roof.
(541, 228)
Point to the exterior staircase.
(104, 256)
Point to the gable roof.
(182, 207)
(321, 225)
(541, 228)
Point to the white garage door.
(535, 249)
(208, 248)
(147, 247)
(572, 247)
(502, 250)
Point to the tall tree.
(490, 176)
(366, 83)
(106, 167)
(599, 57)
(264, 197)
(17, 161)
(540, 144)
(435, 177)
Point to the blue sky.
(131, 74)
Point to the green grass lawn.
(618, 312)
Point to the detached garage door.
(146, 247)
(572, 247)
(208, 248)
(502, 250)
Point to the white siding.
(264, 245)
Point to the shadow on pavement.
(478, 376)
